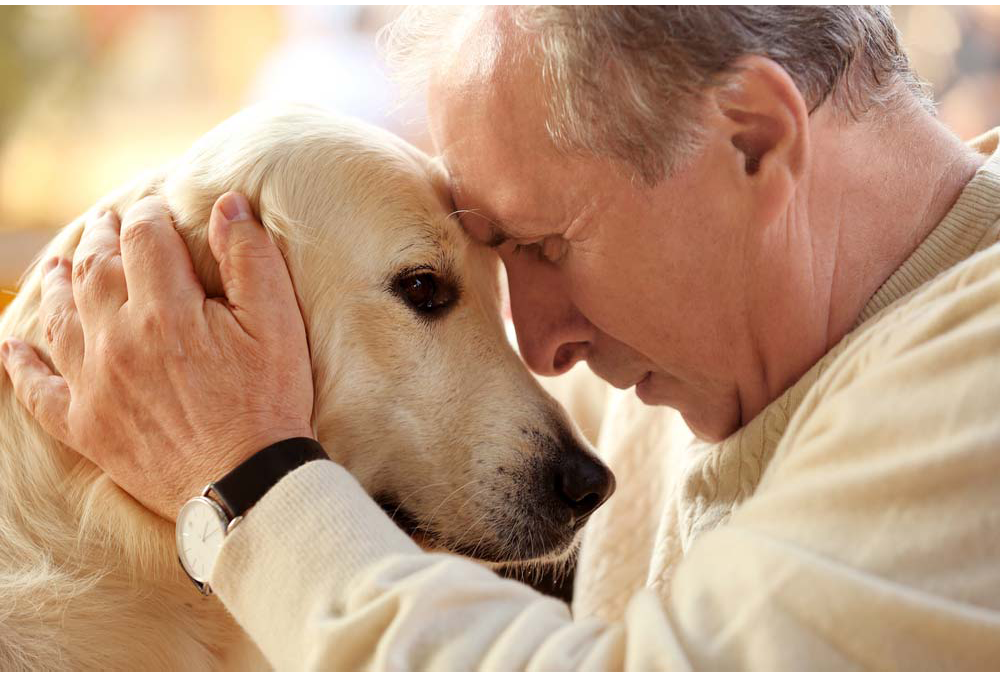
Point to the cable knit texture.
(853, 524)
(707, 480)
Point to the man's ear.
(768, 115)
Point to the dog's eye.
(425, 292)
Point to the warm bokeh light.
(92, 95)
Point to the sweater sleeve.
(321, 579)
(871, 542)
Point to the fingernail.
(50, 264)
(235, 207)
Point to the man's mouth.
(623, 382)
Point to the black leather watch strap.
(243, 487)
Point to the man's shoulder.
(962, 298)
(923, 373)
(886, 477)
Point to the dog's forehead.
(338, 189)
(421, 221)
(426, 234)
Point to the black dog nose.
(582, 483)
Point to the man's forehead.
(478, 221)
(484, 55)
(497, 201)
(471, 53)
(466, 193)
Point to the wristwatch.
(205, 520)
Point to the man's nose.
(552, 334)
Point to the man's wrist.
(247, 443)
(245, 484)
(222, 504)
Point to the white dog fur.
(426, 412)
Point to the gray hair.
(625, 82)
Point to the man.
(750, 214)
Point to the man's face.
(645, 284)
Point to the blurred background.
(89, 96)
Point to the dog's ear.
(189, 208)
(194, 185)
(192, 209)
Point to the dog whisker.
(429, 519)
(414, 493)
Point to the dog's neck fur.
(87, 575)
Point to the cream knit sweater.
(855, 523)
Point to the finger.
(158, 267)
(98, 280)
(254, 274)
(43, 393)
(58, 316)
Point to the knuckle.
(55, 327)
(88, 266)
(137, 231)
(149, 323)
(150, 209)
(156, 322)
(254, 249)
(33, 400)
(147, 206)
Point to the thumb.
(254, 275)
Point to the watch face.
(201, 527)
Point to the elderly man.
(749, 214)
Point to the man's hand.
(164, 389)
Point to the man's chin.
(709, 432)
(712, 424)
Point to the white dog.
(418, 393)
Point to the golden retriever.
(417, 392)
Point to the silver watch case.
(208, 510)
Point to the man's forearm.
(322, 579)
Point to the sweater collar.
(971, 225)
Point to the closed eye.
(550, 249)
(532, 249)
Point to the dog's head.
(418, 392)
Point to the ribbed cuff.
(297, 551)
